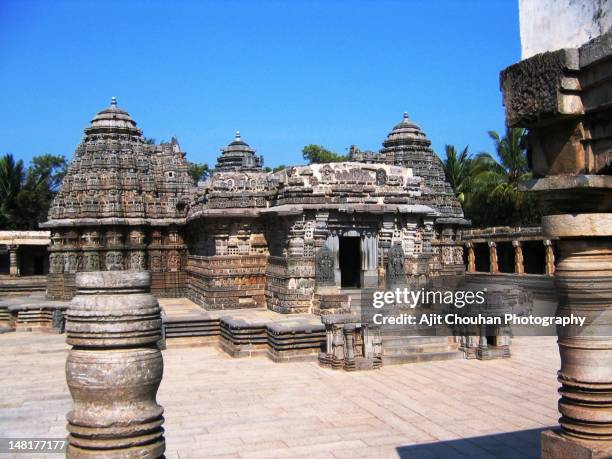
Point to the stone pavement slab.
(216, 406)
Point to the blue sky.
(284, 73)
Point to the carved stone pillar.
(349, 335)
(519, 265)
(550, 258)
(584, 284)
(564, 97)
(493, 266)
(337, 348)
(114, 368)
(369, 259)
(333, 244)
(14, 260)
(483, 353)
(329, 348)
(471, 257)
(349, 352)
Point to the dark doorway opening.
(4, 263)
(350, 261)
(39, 265)
(33, 260)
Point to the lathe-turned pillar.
(114, 367)
(564, 98)
(493, 265)
(471, 257)
(13, 260)
(519, 261)
(583, 280)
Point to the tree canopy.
(488, 188)
(317, 154)
(280, 167)
(26, 194)
(199, 171)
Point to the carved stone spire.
(238, 156)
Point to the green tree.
(495, 198)
(458, 171)
(199, 171)
(12, 175)
(47, 171)
(26, 195)
(275, 169)
(317, 154)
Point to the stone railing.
(510, 250)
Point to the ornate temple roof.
(115, 177)
(405, 133)
(346, 186)
(408, 146)
(113, 120)
(238, 156)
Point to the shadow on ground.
(519, 444)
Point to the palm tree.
(497, 199)
(457, 168)
(12, 175)
(503, 176)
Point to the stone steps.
(25, 284)
(290, 340)
(412, 349)
(421, 357)
(190, 326)
(355, 299)
(417, 349)
(399, 341)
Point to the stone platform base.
(283, 338)
(243, 336)
(32, 312)
(295, 339)
(191, 325)
(243, 332)
(358, 363)
(239, 333)
(191, 341)
(493, 352)
(22, 285)
(555, 446)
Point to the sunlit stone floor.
(217, 406)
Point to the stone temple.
(304, 240)
(246, 237)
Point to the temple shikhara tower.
(120, 207)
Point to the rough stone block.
(555, 446)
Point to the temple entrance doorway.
(350, 261)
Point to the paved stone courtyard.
(216, 406)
